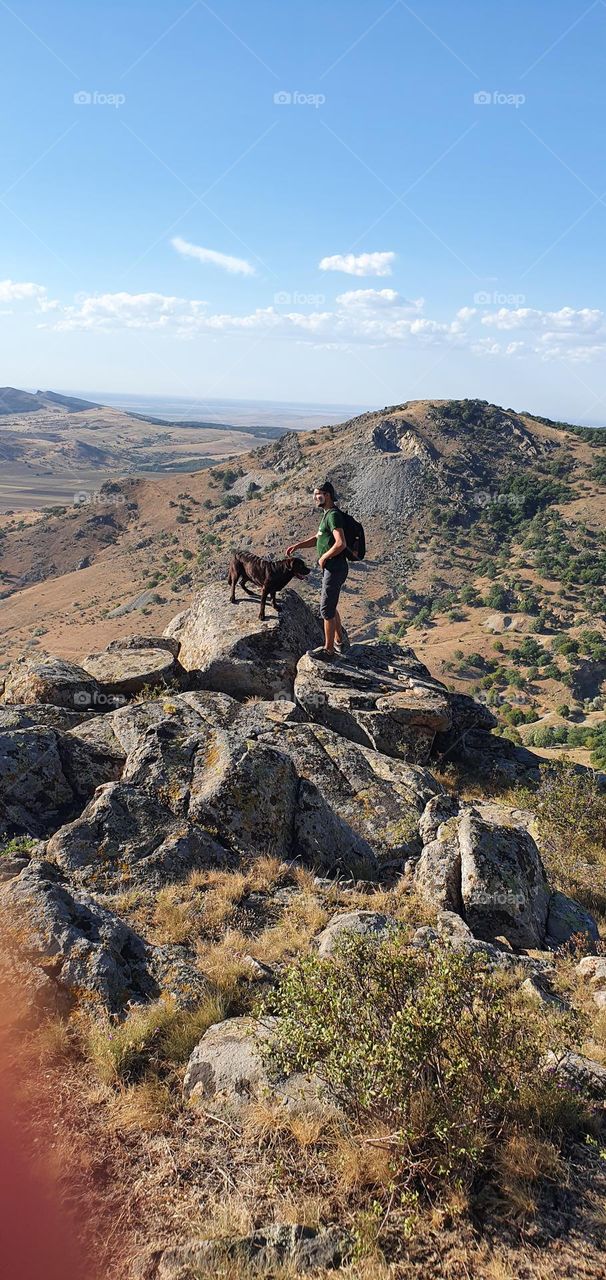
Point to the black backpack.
(355, 537)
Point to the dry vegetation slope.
(487, 552)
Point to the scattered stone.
(229, 1068)
(298, 1249)
(579, 1073)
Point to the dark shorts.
(333, 577)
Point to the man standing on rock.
(330, 549)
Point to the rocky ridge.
(223, 741)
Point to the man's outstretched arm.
(298, 546)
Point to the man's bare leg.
(338, 627)
(329, 634)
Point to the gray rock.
(138, 602)
(579, 1073)
(51, 680)
(126, 835)
(503, 883)
(363, 924)
(124, 672)
(378, 696)
(46, 777)
(594, 969)
(144, 642)
(441, 808)
(78, 945)
(43, 715)
(227, 648)
(566, 919)
(378, 797)
(279, 1246)
(229, 1069)
(437, 875)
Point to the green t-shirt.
(330, 520)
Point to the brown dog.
(270, 575)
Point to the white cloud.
(235, 266)
(23, 291)
(370, 317)
(363, 264)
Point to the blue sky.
(356, 201)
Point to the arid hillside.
(486, 550)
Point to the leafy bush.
(570, 807)
(425, 1046)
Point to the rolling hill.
(487, 550)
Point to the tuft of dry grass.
(292, 933)
(151, 1040)
(522, 1162)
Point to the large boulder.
(378, 696)
(52, 680)
(227, 648)
(78, 945)
(503, 883)
(482, 863)
(127, 835)
(46, 777)
(230, 1068)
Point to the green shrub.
(424, 1045)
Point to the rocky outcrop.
(227, 648)
(78, 945)
(379, 798)
(381, 697)
(127, 835)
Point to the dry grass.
(151, 1040)
(303, 919)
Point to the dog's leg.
(233, 580)
(277, 607)
(263, 599)
(245, 588)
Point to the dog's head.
(298, 567)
